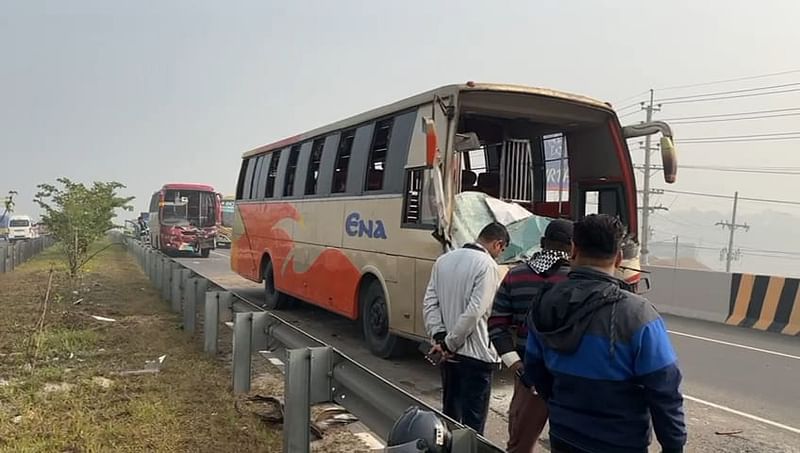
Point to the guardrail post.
(464, 440)
(297, 394)
(242, 328)
(175, 299)
(217, 310)
(3, 256)
(166, 279)
(190, 305)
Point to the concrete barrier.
(765, 302)
(690, 293)
(760, 302)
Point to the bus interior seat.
(489, 183)
(375, 180)
(468, 179)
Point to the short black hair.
(495, 232)
(599, 236)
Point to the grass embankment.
(60, 384)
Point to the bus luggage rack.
(314, 372)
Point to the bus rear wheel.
(375, 321)
(273, 299)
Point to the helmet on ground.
(419, 431)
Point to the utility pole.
(729, 254)
(646, 208)
(675, 261)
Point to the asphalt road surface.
(742, 387)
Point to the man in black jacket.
(601, 357)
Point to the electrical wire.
(728, 197)
(723, 115)
(719, 93)
(736, 79)
(719, 98)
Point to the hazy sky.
(154, 91)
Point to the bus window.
(260, 183)
(248, 178)
(288, 186)
(313, 166)
(272, 175)
(254, 194)
(376, 164)
(556, 167)
(343, 161)
(418, 201)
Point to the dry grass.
(59, 402)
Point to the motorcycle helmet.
(419, 431)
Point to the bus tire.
(273, 299)
(375, 321)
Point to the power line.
(742, 140)
(721, 120)
(728, 197)
(736, 79)
(742, 170)
(723, 115)
(719, 93)
(719, 98)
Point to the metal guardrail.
(12, 254)
(314, 372)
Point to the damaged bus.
(184, 218)
(352, 215)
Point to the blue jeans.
(466, 387)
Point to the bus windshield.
(188, 208)
(18, 223)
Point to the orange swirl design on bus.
(329, 279)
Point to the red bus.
(184, 218)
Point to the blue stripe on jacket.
(602, 396)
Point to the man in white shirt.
(457, 305)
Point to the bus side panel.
(241, 259)
(267, 230)
(422, 270)
(402, 297)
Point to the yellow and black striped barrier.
(765, 302)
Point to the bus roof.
(188, 186)
(423, 98)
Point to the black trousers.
(466, 388)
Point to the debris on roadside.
(103, 318)
(732, 432)
(268, 408)
(150, 367)
(102, 382)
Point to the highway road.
(742, 387)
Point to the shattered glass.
(474, 210)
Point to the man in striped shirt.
(508, 333)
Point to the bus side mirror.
(467, 141)
(431, 141)
(669, 159)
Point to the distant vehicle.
(225, 231)
(20, 228)
(184, 218)
(351, 216)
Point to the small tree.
(77, 215)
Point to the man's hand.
(438, 354)
(517, 368)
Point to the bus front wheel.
(375, 321)
(273, 299)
